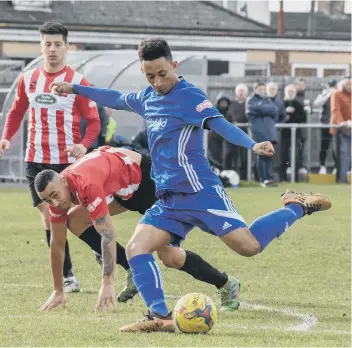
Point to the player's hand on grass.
(57, 298)
(107, 298)
(77, 150)
(4, 146)
(61, 88)
(265, 148)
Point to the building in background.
(238, 37)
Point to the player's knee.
(249, 249)
(172, 257)
(132, 249)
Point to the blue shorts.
(209, 209)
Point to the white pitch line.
(308, 320)
(224, 325)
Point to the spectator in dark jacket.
(237, 114)
(215, 141)
(295, 114)
(323, 101)
(262, 114)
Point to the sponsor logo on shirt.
(55, 215)
(156, 124)
(92, 104)
(46, 99)
(204, 105)
(91, 207)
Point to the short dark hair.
(154, 48)
(43, 178)
(258, 84)
(54, 28)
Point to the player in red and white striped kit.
(54, 140)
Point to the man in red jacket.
(54, 139)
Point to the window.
(306, 72)
(253, 69)
(32, 5)
(320, 70)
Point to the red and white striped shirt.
(54, 121)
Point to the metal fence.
(12, 166)
(312, 146)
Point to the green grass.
(303, 275)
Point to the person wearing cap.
(323, 101)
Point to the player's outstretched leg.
(297, 205)
(249, 242)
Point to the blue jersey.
(175, 135)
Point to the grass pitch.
(296, 293)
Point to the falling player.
(124, 177)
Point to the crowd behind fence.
(12, 166)
(311, 162)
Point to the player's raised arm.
(104, 96)
(89, 111)
(108, 247)
(203, 114)
(57, 256)
(237, 136)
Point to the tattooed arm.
(108, 247)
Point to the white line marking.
(308, 320)
(224, 325)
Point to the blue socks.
(270, 226)
(147, 277)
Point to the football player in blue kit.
(189, 193)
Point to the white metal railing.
(293, 127)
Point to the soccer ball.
(195, 313)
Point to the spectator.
(323, 101)
(301, 135)
(110, 130)
(262, 113)
(301, 94)
(215, 141)
(237, 114)
(294, 114)
(272, 92)
(341, 115)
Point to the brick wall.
(282, 65)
